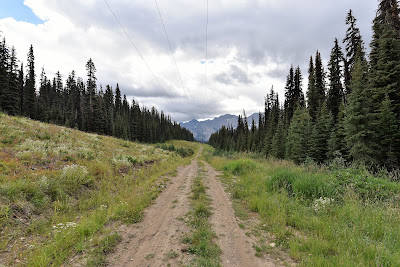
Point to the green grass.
(60, 188)
(321, 216)
(201, 239)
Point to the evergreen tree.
(278, 141)
(388, 133)
(4, 57)
(312, 96)
(335, 92)
(297, 141)
(319, 79)
(293, 93)
(29, 104)
(11, 93)
(90, 95)
(21, 88)
(359, 120)
(352, 41)
(320, 134)
(336, 142)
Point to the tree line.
(79, 104)
(351, 111)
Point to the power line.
(137, 50)
(169, 43)
(205, 64)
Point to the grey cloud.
(235, 75)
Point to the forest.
(79, 104)
(349, 112)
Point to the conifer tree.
(294, 96)
(335, 92)
(312, 96)
(320, 134)
(336, 142)
(4, 57)
(11, 94)
(21, 86)
(352, 41)
(279, 141)
(90, 95)
(297, 141)
(388, 134)
(359, 120)
(29, 105)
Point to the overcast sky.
(251, 45)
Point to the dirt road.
(236, 247)
(157, 240)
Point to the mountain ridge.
(202, 130)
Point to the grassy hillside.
(323, 216)
(62, 189)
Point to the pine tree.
(335, 92)
(352, 41)
(21, 88)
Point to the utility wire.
(137, 50)
(169, 43)
(205, 64)
(205, 70)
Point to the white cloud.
(252, 44)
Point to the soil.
(157, 240)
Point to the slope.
(61, 189)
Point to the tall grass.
(60, 189)
(322, 217)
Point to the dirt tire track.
(148, 242)
(236, 247)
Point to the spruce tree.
(388, 134)
(320, 134)
(279, 141)
(312, 96)
(297, 141)
(29, 104)
(11, 92)
(335, 92)
(90, 95)
(4, 57)
(360, 119)
(21, 86)
(352, 41)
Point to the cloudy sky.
(251, 45)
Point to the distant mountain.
(202, 130)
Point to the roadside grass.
(59, 188)
(323, 216)
(201, 238)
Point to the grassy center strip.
(200, 240)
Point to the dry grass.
(60, 187)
